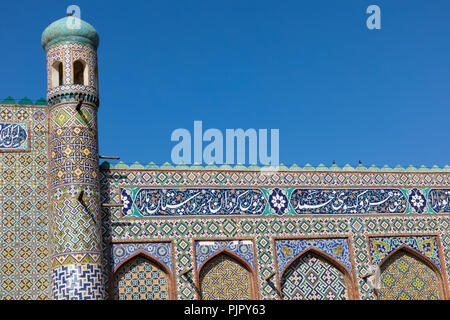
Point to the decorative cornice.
(294, 168)
(24, 101)
(72, 97)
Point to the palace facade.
(72, 228)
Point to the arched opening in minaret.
(80, 74)
(56, 74)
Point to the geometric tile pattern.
(289, 249)
(256, 178)
(62, 117)
(73, 228)
(312, 278)
(67, 53)
(24, 262)
(404, 277)
(222, 278)
(75, 221)
(159, 250)
(205, 249)
(139, 279)
(77, 282)
(64, 259)
(74, 154)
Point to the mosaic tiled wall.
(24, 262)
(323, 210)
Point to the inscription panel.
(147, 202)
(14, 136)
(150, 202)
(348, 201)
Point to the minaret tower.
(74, 214)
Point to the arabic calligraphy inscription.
(13, 136)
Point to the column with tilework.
(72, 96)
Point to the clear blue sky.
(336, 90)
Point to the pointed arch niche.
(226, 276)
(406, 274)
(142, 277)
(315, 275)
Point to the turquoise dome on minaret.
(61, 31)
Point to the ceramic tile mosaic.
(139, 279)
(290, 249)
(75, 221)
(121, 252)
(381, 247)
(222, 278)
(140, 202)
(24, 262)
(439, 200)
(347, 201)
(205, 249)
(77, 282)
(312, 278)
